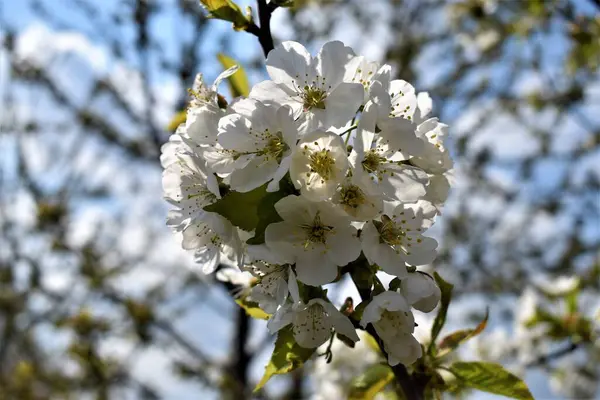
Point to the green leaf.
(252, 309)
(226, 10)
(287, 356)
(266, 212)
(241, 209)
(453, 340)
(371, 382)
(440, 319)
(491, 378)
(238, 82)
(177, 119)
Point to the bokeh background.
(97, 300)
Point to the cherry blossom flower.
(312, 86)
(390, 315)
(312, 322)
(316, 235)
(397, 240)
(318, 165)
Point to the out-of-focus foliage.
(94, 296)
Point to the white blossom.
(263, 136)
(391, 316)
(312, 322)
(379, 169)
(397, 240)
(204, 111)
(359, 70)
(435, 158)
(212, 237)
(272, 272)
(421, 291)
(358, 204)
(312, 86)
(188, 185)
(319, 164)
(316, 235)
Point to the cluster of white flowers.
(369, 172)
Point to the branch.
(263, 33)
(553, 356)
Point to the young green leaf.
(177, 119)
(252, 309)
(440, 319)
(287, 356)
(371, 382)
(226, 10)
(238, 82)
(241, 209)
(266, 213)
(453, 340)
(491, 378)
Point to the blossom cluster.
(368, 172)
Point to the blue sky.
(244, 48)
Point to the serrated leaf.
(238, 82)
(491, 378)
(371, 382)
(226, 10)
(287, 356)
(252, 309)
(267, 213)
(440, 319)
(177, 119)
(241, 209)
(453, 340)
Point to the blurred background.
(97, 300)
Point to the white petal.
(343, 103)
(289, 130)
(340, 322)
(425, 104)
(293, 287)
(296, 209)
(223, 75)
(287, 62)
(208, 258)
(311, 327)
(283, 317)
(331, 62)
(234, 134)
(366, 129)
(284, 238)
(273, 93)
(282, 169)
(371, 313)
(343, 245)
(314, 268)
(407, 183)
(202, 124)
(253, 175)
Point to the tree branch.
(263, 33)
(553, 356)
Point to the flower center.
(313, 98)
(322, 163)
(316, 232)
(388, 231)
(372, 161)
(276, 147)
(352, 196)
